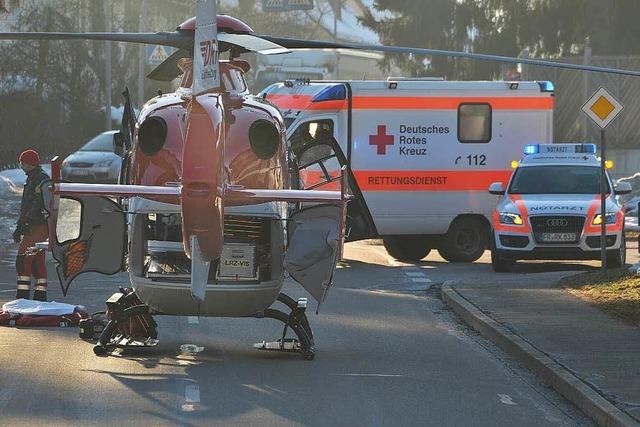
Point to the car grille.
(238, 227)
(80, 164)
(557, 224)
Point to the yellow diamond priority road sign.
(602, 108)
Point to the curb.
(599, 409)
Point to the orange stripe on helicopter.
(472, 180)
(304, 102)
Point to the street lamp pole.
(141, 55)
(107, 66)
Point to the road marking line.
(506, 399)
(191, 398)
(368, 375)
(420, 280)
(193, 320)
(414, 273)
(259, 389)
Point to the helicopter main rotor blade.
(315, 44)
(168, 69)
(252, 43)
(180, 40)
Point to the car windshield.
(556, 180)
(102, 142)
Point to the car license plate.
(237, 261)
(558, 237)
(80, 172)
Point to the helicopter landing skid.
(296, 321)
(125, 343)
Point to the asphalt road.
(388, 353)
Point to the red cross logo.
(381, 140)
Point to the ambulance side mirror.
(622, 188)
(496, 188)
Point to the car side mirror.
(118, 143)
(622, 188)
(496, 188)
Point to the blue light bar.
(531, 149)
(586, 148)
(546, 87)
(331, 93)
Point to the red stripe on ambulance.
(473, 180)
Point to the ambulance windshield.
(556, 180)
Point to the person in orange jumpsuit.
(31, 229)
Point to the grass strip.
(616, 292)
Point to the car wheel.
(407, 248)
(465, 241)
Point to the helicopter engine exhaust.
(152, 135)
(264, 138)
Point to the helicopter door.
(89, 237)
(314, 230)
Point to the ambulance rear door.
(319, 112)
(319, 130)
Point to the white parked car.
(95, 162)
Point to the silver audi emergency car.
(550, 208)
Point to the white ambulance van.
(550, 208)
(422, 152)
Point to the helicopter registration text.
(237, 261)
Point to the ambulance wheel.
(465, 241)
(500, 264)
(618, 258)
(407, 248)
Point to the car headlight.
(609, 218)
(510, 218)
(104, 163)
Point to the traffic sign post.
(156, 54)
(602, 108)
(603, 202)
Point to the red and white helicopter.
(211, 210)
